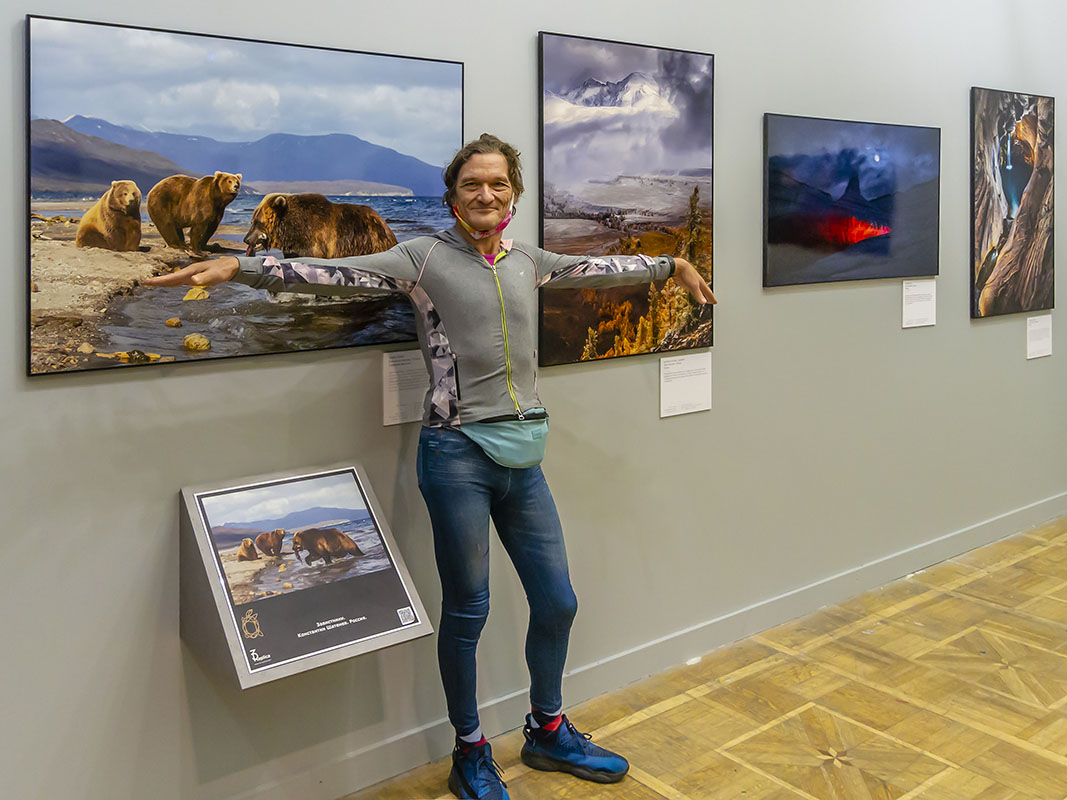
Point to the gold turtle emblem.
(250, 625)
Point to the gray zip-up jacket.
(477, 323)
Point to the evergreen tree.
(693, 226)
(589, 351)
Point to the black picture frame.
(828, 224)
(703, 316)
(55, 335)
(1013, 294)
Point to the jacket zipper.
(507, 349)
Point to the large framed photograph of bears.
(300, 568)
(150, 149)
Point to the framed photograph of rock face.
(150, 149)
(301, 570)
(627, 162)
(847, 201)
(1012, 191)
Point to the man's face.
(483, 191)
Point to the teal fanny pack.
(517, 443)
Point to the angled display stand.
(286, 572)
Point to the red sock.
(468, 746)
(545, 721)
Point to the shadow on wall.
(233, 730)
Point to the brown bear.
(310, 225)
(180, 202)
(114, 221)
(270, 542)
(247, 551)
(324, 543)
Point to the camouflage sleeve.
(378, 273)
(594, 272)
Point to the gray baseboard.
(433, 740)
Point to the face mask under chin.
(484, 234)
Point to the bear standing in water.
(312, 226)
(180, 202)
(114, 221)
(324, 543)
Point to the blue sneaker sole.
(547, 764)
(453, 785)
(458, 791)
(455, 788)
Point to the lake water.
(303, 576)
(238, 320)
(407, 216)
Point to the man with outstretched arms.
(483, 436)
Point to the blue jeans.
(463, 488)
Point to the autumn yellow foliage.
(670, 309)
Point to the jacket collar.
(453, 239)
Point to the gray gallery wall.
(841, 452)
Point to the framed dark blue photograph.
(846, 201)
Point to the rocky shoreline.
(71, 288)
(243, 575)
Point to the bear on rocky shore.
(270, 542)
(180, 202)
(247, 551)
(114, 221)
(312, 226)
(324, 543)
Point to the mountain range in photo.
(84, 154)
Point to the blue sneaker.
(568, 750)
(475, 775)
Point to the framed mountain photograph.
(849, 201)
(152, 149)
(1012, 202)
(627, 161)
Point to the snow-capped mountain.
(637, 90)
(602, 103)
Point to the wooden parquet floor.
(950, 684)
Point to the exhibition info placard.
(303, 571)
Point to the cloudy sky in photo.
(243, 90)
(599, 144)
(277, 500)
(815, 151)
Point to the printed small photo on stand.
(300, 569)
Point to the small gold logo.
(250, 625)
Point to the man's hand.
(686, 275)
(202, 273)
